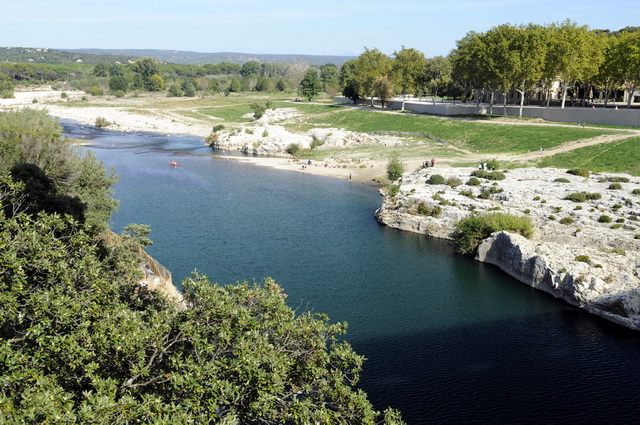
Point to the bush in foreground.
(80, 339)
(471, 231)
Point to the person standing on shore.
(433, 162)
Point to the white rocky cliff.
(586, 253)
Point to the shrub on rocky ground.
(472, 230)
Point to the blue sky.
(325, 27)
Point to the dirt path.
(569, 146)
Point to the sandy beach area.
(132, 117)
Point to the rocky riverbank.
(586, 253)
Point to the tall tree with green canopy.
(31, 137)
(575, 52)
(610, 75)
(437, 74)
(371, 63)
(503, 58)
(469, 66)
(529, 45)
(310, 85)
(148, 69)
(628, 60)
(383, 89)
(407, 69)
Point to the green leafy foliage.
(435, 179)
(582, 196)
(395, 168)
(31, 137)
(310, 85)
(424, 209)
(294, 149)
(392, 189)
(489, 175)
(472, 230)
(81, 339)
(578, 172)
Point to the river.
(448, 340)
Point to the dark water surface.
(448, 340)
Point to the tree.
(118, 82)
(250, 68)
(329, 76)
(310, 85)
(610, 74)
(149, 71)
(468, 64)
(297, 71)
(264, 84)
(575, 53)
(530, 57)
(6, 87)
(437, 74)
(372, 63)
(628, 62)
(31, 137)
(383, 89)
(156, 83)
(395, 168)
(234, 85)
(101, 69)
(407, 69)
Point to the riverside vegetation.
(81, 341)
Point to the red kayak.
(175, 164)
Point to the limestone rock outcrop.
(586, 253)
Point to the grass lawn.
(475, 137)
(616, 157)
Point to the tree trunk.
(522, 93)
(404, 97)
(491, 101)
(478, 101)
(548, 100)
(564, 94)
(504, 104)
(631, 91)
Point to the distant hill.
(57, 57)
(196, 58)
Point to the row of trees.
(147, 74)
(534, 57)
(409, 71)
(506, 58)
(81, 341)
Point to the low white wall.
(601, 115)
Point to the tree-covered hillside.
(57, 57)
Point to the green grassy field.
(617, 157)
(481, 138)
(468, 138)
